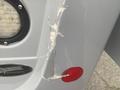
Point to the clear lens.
(9, 20)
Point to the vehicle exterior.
(63, 34)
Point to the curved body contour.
(84, 28)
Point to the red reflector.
(74, 74)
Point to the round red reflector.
(74, 73)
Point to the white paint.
(85, 26)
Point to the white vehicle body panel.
(84, 29)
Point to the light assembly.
(14, 21)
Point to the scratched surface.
(106, 75)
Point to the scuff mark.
(54, 28)
(56, 77)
